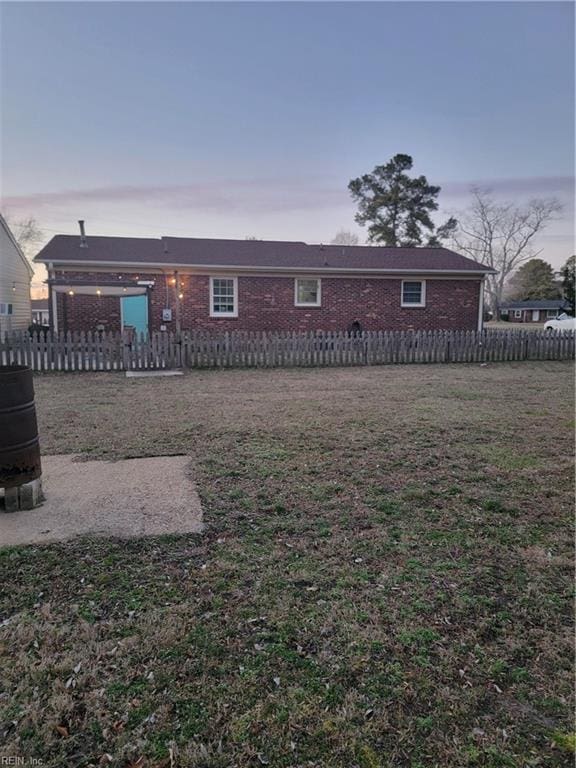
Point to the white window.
(307, 293)
(5, 309)
(223, 297)
(517, 313)
(413, 293)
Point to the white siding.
(15, 278)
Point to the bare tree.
(501, 235)
(343, 237)
(27, 234)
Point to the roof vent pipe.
(83, 243)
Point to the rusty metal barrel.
(19, 444)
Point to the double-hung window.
(223, 297)
(5, 309)
(307, 292)
(413, 293)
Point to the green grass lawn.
(385, 579)
(505, 325)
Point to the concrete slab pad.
(131, 498)
(152, 374)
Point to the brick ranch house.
(171, 284)
(532, 310)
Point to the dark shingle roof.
(39, 303)
(63, 248)
(252, 254)
(535, 304)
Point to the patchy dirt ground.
(385, 579)
(125, 498)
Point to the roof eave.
(264, 268)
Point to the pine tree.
(396, 206)
(569, 282)
(533, 280)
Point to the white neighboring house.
(15, 276)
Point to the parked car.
(561, 323)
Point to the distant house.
(15, 276)
(172, 284)
(40, 314)
(532, 310)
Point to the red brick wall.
(86, 313)
(526, 317)
(267, 303)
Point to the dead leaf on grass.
(139, 763)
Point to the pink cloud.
(234, 196)
(266, 196)
(529, 186)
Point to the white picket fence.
(237, 349)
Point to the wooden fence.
(238, 349)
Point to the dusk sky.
(228, 120)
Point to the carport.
(133, 297)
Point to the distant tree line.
(536, 279)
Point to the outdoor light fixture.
(70, 293)
(98, 291)
(14, 287)
(180, 295)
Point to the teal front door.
(135, 313)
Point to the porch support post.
(177, 294)
(53, 299)
(481, 305)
